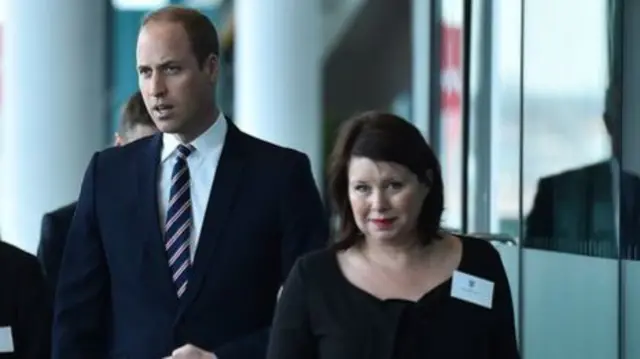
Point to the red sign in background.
(451, 118)
(451, 83)
(451, 67)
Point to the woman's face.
(386, 198)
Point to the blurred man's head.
(135, 122)
(177, 61)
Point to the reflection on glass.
(574, 211)
(627, 46)
(571, 182)
(582, 210)
(570, 175)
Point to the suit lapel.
(156, 269)
(219, 206)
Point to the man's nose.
(158, 86)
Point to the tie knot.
(184, 151)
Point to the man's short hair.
(134, 114)
(201, 32)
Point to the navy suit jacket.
(573, 212)
(115, 296)
(53, 237)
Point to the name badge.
(472, 289)
(6, 340)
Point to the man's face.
(176, 89)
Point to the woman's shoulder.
(479, 255)
(314, 272)
(477, 244)
(316, 263)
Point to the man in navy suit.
(181, 241)
(135, 123)
(592, 210)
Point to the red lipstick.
(383, 222)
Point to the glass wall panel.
(494, 156)
(626, 58)
(570, 267)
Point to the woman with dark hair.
(394, 285)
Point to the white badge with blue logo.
(472, 289)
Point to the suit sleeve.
(291, 336)
(50, 249)
(538, 232)
(83, 285)
(33, 329)
(305, 227)
(504, 343)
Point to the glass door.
(542, 179)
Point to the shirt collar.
(211, 139)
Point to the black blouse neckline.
(426, 297)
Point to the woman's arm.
(291, 336)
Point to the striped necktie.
(179, 221)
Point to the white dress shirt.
(203, 163)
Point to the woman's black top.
(322, 315)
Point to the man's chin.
(167, 126)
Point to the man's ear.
(212, 66)
(118, 140)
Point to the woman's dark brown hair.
(388, 138)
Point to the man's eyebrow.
(162, 64)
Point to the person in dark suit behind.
(181, 241)
(135, 123)
(25, 306)
(584, 210)
(395, 285)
